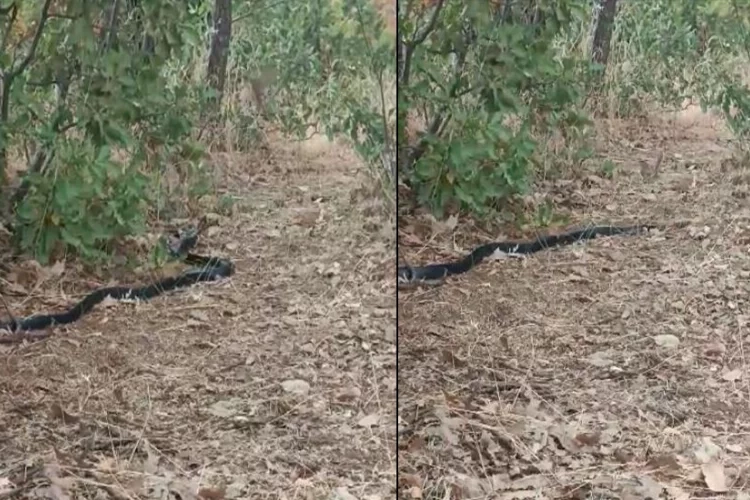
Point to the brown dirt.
(278, 383)
(613, 369)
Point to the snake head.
(180, 242)
(405, 275)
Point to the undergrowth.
(494, 98)
(101, 107)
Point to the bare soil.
(277, 383)
(615, 369)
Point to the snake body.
(434, 273)
(207, 268)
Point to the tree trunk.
(603, 33)
(690, 15)
(4, 114)
(143, 40)
(219, 55)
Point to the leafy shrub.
(485, 83)
(103, 108)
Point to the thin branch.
(42, 83)
(13, 13)
(252, 13)
(112, 26)
(381, 87)
(63, 16)
(421, 37)
(5, 10)
(13, 319)
(441, 119)
(406, 49)
(37, 36)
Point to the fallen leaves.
(296, 387)
(668, 341)
(369, 420)
(632, 350)
(713, 473)
(289, 396)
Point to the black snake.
(207, 268)
(434, 273)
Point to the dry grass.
(278, 383)
(614, 369)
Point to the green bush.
(485, 84)
(96, 118)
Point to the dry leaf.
(411, 480)
(107, 464)
(735, 448)
(664, 462)
(211, 493)
(732, 375)
(54, 271)
(648, 488)
(600, 359)
(588, 438)
(706, 450)
(151, 465)
(307, 217)
(667, 340)
(199, 315)
(369, 421)
(713, 473)
(341, 493)
(6, 486)
(445, 226)
(676, 493)
(451, 359)
(58, 413)
(348, 394)
(297, 387)
(17, 288)
(224, 408)
(59, 486)
(715, 349)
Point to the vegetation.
(484, 85)
(99, 99)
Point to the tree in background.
(218, 56)
(605, 21)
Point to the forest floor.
(277, 383)
(614, 369)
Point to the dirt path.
(279, 383)
(615, 369)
